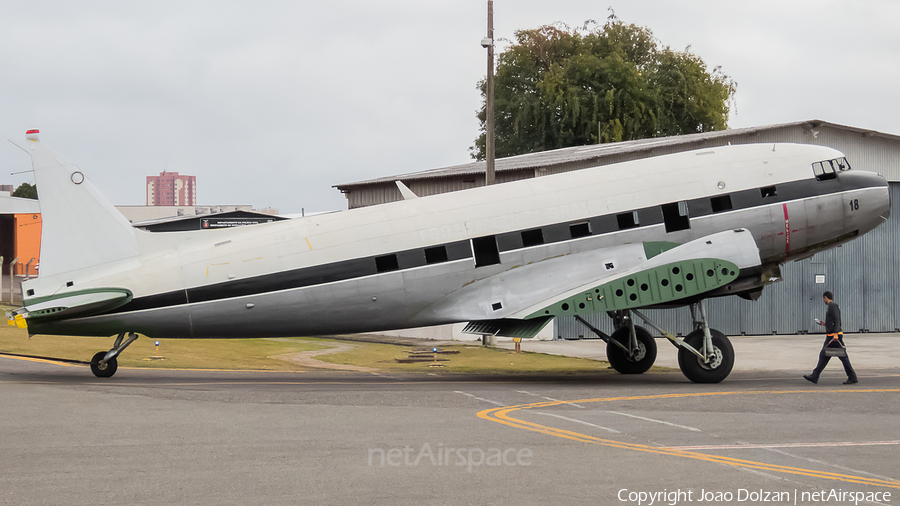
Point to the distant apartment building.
(171, 189)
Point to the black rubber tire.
(105, 371)
(619, 359)
(699, 372)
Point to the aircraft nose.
(884, 196)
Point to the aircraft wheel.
(644, 357)
(718, 368)
(105, 370)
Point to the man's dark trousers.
(823, 360)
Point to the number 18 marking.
(854, 205)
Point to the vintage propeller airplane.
(666, 231)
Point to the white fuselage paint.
(436, 294)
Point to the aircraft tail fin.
(80, 228)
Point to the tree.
(26, 191)
(557, 87)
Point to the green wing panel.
(657, 285)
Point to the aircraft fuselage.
(478, 254)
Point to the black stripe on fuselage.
(508, 241)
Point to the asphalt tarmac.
(331, 437)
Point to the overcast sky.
(270, 103)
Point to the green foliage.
(26, 191)
(557, 87)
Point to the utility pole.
(489, 133)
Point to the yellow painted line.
(44, 361)
(502, 415)
(783, 445)
(114, 383)
(308, 244)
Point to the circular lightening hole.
(710, 273)
(565, 307)
(633, 297)
(644, 287)
(732, 273)
(547, 312)
(724, 271)
(689, 276)
(678, 288)
(630, 282)
(675, 270)
(581, 305)
(596, 290)
(664, 282)
(619, 292)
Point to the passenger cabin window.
(532, 238)
(580, 230)
(721, 204)
(768, 192)
(628, 220)
(675, 216)
(485, 250)
(436, 255)
(386, 263)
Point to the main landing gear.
(704, 356)
(104, 363)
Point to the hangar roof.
(579, 153)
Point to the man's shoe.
(812, 379)
(851, 381)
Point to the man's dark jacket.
(832, 318)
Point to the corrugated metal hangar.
(862, 273)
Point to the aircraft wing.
(520, 301)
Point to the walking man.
(834, 335)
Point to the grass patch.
(474, 359)
(179, 353)
(257, 354)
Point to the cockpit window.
(828, 169)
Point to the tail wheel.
(103, 370)
(642, 358)
(721, 360)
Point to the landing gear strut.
(630, 349)
(705, 355)
(104, 363)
